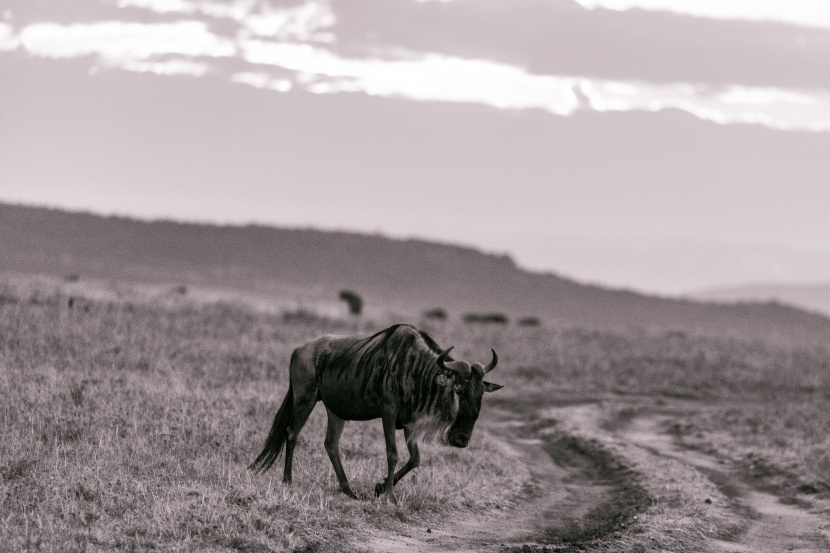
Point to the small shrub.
(529, 321)
(436, 314)
(486, 318)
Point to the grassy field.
(128, 420)
(130, 425)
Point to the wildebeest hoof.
(381, 488)
(349, 492)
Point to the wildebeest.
(353, 300)
(399, 375)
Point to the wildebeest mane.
(388, 346)
(410, 368)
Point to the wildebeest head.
(468, 386)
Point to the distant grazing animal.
(399, 375)
(353, 300)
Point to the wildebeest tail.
(276, 438)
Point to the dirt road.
(772, 526)
(610, 484)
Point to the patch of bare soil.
(578, 493)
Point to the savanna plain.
(128, 419)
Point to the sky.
(662, 145)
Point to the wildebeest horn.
(493, 363)
(459, 367)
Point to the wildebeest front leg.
(332, 443)
(413, 462)
(391, 453)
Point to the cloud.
(772, 107)
(118, 41)
(433, 77)
(161, 6)
(422, 77)
(289, 38)
(807, 13)
(765, 97)
(304, 22)
(168, 67)
(234, 9)
(262, 80)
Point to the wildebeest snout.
(459, 439)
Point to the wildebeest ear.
(443, 380)
(490, 387)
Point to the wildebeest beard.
(434, 425)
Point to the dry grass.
(782, 444)
(128, 420)
(129, 424)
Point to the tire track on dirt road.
(577, 494)
(773, 526)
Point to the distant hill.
(813, 297)
(391, 274)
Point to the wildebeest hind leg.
(333, 431)
(413, 462)
(302, 411)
